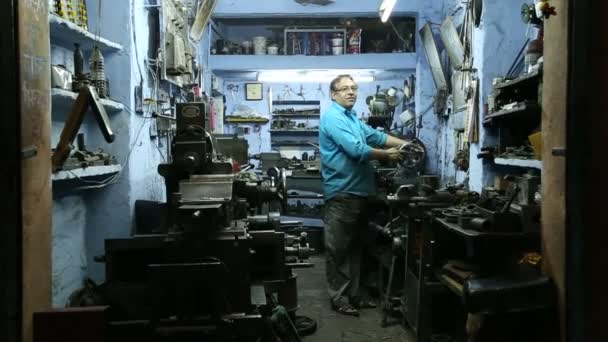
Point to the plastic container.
(273, 49)
(259, 45)
(536, 140)
(337, 50)
(354, 41)
(337, 42)
(247, 47)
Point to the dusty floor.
(333, 327)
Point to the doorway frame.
(10, 179)
(586, 235)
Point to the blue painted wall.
(145, 181)
(431, 11)
(496, 43)
(83, 219)
(259, 140)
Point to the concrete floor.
(333, 327)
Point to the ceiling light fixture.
(303, 76)
(386, 7)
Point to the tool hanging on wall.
(301, 93)
(320, 90)
(98, 75)
(86, 98)
(477, 10)
(269, 100)
(472, 115)
(202, 17)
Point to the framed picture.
(253, 91)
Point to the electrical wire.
(94, 184)
(134, 36)
(114, 178)
(397, 32)
(98, 26)
(160, 152)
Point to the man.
(346, 145)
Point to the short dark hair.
(332, 85)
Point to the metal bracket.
(29, 152)
(558, 152)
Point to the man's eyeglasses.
(345, 89)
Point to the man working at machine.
(348, 179)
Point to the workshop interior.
(163, 177)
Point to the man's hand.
(393, 154)
(402, 146)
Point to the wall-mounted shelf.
(296, 103)
(298, 115)
(380, 61)
(237, 120)
(519, 80)
(65, 33)
(62, 98)
(295, 131)
(87, 173)
(527, 163)
(292, 143)
(520, 111)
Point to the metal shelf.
(379, 61)
(87, 172)
(237, 120)
(305, 144)
(519, 80)
(65, 33)
(295, 131)
(297, 115)
(62, 98)
(528, 163)
(296, 102)
(521, 111)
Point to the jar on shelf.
(247, 47)
(273, 49)
(534, 52)
(259, 45)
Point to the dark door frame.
(10, 177)
(574, 174)
(586, 173)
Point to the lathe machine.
(211, 274)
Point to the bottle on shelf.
(78, 62)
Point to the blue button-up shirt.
(345, 152)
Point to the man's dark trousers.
(345, 230)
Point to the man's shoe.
(345, 309)
(367, 304)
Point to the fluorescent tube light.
(386, 7)
(303, 76)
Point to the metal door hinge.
(558, 152)
(29, 153)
